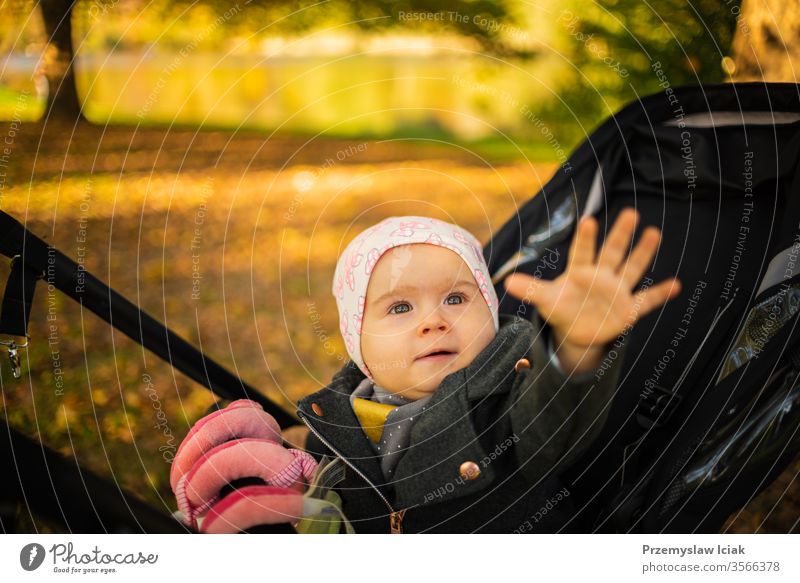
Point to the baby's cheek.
(368, 347)
(378, 344)
(483, 338)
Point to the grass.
(19, 106)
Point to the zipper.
(395, 516)
(396, 521)
(720, 311)
(717, 317)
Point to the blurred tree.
(689, 37)
(767, 43)
(12, 29)
(489, 22)
(486, 21)
(62, 100)
(616, 47)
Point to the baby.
(451, 417)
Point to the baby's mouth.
(436, 355)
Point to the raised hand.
(592, 302)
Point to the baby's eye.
(399, 305)
(459, 297)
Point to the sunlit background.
(278, 130)
(465, 70)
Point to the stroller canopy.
(706, 413)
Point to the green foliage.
(689, 38)
(17, 27)
(483, 20)
(613, 46)
(20, 105)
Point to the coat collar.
(443, 438)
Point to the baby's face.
(420, 299)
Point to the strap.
(16, 310)
(18, 299)
(794, 358)
(128, 318)
(657, 406)
(791, 213)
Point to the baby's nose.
(433, 323)
(441, 326)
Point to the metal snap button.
(469, 470)
(522, 364)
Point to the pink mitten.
(242, 418)
(240, 442)
(251, 506)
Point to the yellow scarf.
(372, 416)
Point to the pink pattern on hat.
(481, 281)
(459, 237)
(339, 288)
(344, 328)
(435, 239)
(373, 256)
(478, 252)
(408, 229)
(471, 243)
(359, 317)
(353, 262)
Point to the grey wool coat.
(485, 455)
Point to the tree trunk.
(63, 103)
(767, 42)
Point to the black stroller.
(708, 409)
(706, 414)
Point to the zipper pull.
(396, 521)
(725, 302)
(13, 357)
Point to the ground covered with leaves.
(230, 239)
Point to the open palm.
(592, 302)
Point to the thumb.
(523, 286)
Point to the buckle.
(13, 345)
(656, 406)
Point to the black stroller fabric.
(706, 413)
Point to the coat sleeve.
(557, 416)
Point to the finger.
(641, 258)
(618, 241)
(583, 245)
(523, 286)
(657, 295)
